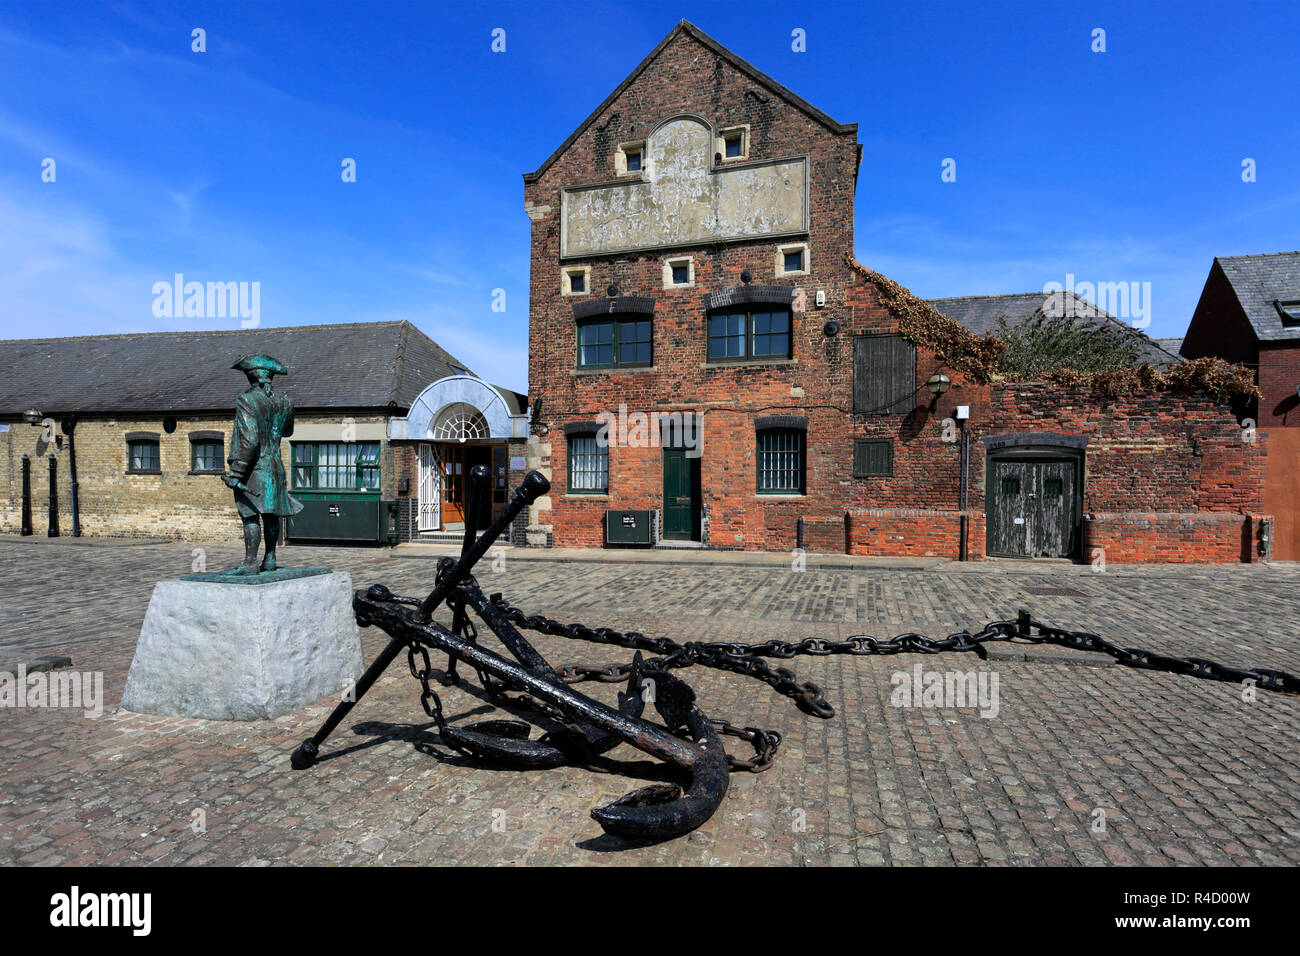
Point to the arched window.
(460, 422)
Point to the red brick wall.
(1279, 374)
(1161, 454)
(1142, 537)
(687, 77)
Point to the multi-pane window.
(143, 455)
(739, 335)
(206, 455)
(614, 343)
(781, 461)
(588, 465)
(336, 466)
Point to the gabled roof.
(980, 314)
(376, 365)
(744, 66)
(1258, 282)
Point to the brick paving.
(1180, 771)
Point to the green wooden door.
(681, 496)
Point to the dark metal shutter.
(884, 375)
(873, 458)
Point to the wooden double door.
(1033, 507)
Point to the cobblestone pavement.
(1080, 765)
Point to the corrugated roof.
(376, 365)
(980, 314)
(1259, 282)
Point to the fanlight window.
(460, 422)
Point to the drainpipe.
(965, 480)
(27, 496)
(54, 497)
(69, 426)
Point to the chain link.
(746, 659)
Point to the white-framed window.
(679, 272)
(792, 260)
(630, 159)
(575, 280)
(733, 143)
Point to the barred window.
(781, 462)
(336, 466)
(588, 465)
(144, 455)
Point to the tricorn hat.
(251, 363)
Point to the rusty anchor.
(688, 741)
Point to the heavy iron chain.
(727, 654)
(742, 658)
(808, 696)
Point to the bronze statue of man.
(262, 418)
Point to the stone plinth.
(244, 651)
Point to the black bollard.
(27, 496)
(54, 497)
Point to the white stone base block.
(244, 652)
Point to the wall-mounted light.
(938, 383)
(32, 417)
(747, 277)
(831, 329)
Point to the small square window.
(734, 146)
(634, 161)
(681, 274)
(577, 282)
(794, 261)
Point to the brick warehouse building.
(1249, 312)
(692, 256)
(148, 419)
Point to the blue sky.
(225, 165)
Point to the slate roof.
(1258, 282)
(364, 365)
(1171, 345)
(980, 314)
(744, 66)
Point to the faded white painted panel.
(682, 200)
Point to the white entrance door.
(430, 489)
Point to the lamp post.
(54, 497)
(27, 497)
(69, 425)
